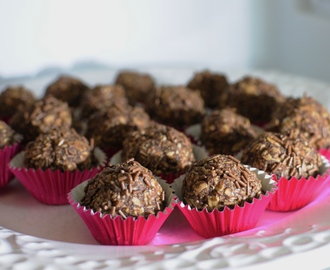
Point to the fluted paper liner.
(199, 153)
(296, 193)
(6, 154)
(52, 187)
(325, 152)
(119, 231)
(194, 133)
(227, 221)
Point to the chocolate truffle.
(212, 87)
(176, 106)
(226, 132)
(109, 128)
(162, 149)
(219, 181)
(282, 155)
(254, 99)
(45, 115)
(137, 85)
(100, 98)
(68, 89)
(125, 189)
(7, 135)
(61, 148)
(303, 118)
(15, 98)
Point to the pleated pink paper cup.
(52, 186)
(229, 220)
(325, 152)
(199, 153)
(294, 193)
(118, 231)
(6, 154)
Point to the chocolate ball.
(303, 118)
(254, 98)
(62, 148)
(125, 189)
(160, 148)
(226, 132)
(219, 181)
(45, 115)
(109, 128)
(176, 106)
(7, 135)
(15, 98)
(281, 155)
(212, 87)
(137, 85)
(67, 89)
(100, 98)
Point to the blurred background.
(287, 35)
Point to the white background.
(287, 35)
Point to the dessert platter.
(34, 235)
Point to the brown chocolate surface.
(102, 97)
(62, 149)
(219, 181)
(282, 155)
(176, 106)
(109, 128)
(125, 189)
(226, 132)
(137, 85)
(303, 118)
(7, 135)
(67, 89)
(45, 115)
(254, 98)
(160, 148)
(15, 98)
(212, 87)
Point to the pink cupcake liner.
(52, 187)
(119, 231)
(6, 154)
(199, 153)
(296, 193)
(325, 152)
(227, 221)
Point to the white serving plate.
(37, 236)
